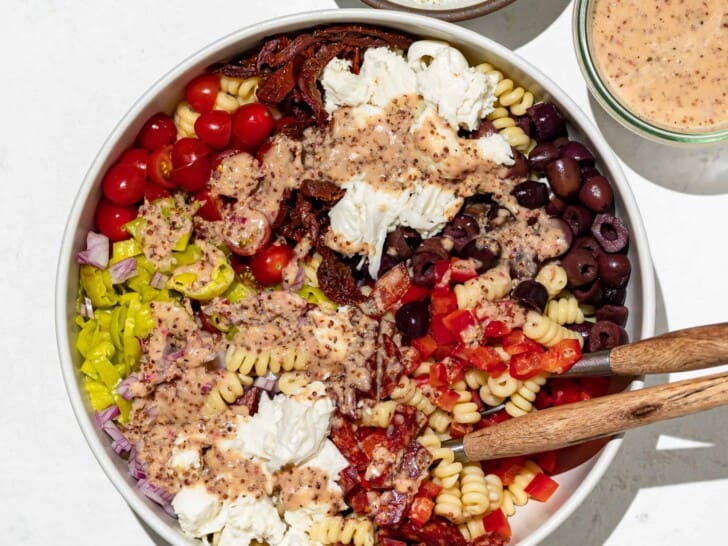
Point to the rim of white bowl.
(150, 515)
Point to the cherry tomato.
(246, 231)
(159, 167)
(109, 218)
(202, 92)
(191, 163)
(286, 124)
(218, 157)
(123, 184)
(153, 191)
(210, 205)
(214, 128)
(157, 131)
(267, 265)
(252, 123)
(137, 157)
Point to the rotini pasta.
(553, 277)
(290, 383)
(475, 497)
(472, 528)
(465, 411)
(565, 310)
(475, 378)
(504, 385)
(406, 392)
(447, 471)
(378, 415)
(518, 495)
(343, 530)
(184, 119)
(448, 503)
(245, 361)
(521, 401)
(545, 331)
(440, 420)
(243, 89)
(492, 285)
(227, 390)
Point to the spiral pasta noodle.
(447, 472)
(184, 119)
(503, 386)
(472, 528)
(565, 310)
(228, 388)
(406, 392)
(343, 530)
(243, 89)
(547, 332)
(553, 277)
(475, 378)
(290, 383)
(245, 361)
(448, 503)
(440, 420)
(521, 401)
(516, 490)
(378, 415)
(465, 411)
(474, 490)
(492, 285)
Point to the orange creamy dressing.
(667, 61)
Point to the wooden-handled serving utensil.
(562, 426)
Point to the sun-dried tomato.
(323, 190)
(336, 280)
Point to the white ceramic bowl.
(533, 522)
(447, 10)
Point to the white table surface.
(69, 70)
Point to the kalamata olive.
(614, 269)
(531, 194)
(558, 223)
(413, 318)
(483, 249)
(519, 169)
(541, 155)
(614, 295)
(525, 123)
(564, 176)
(615, 313)
(561, 142)
(401, 242)
(548, 123)
(580, 266)
(486, 128)
(532, 294)
(584, 329)
(587, 171)
(590, 294)
(610, 232)
(606, 335)
(589, 243)
(555, 206)
(596, 193)
(387, 262)
(578, 152)
(461, 230)
(439, 245)
(579, 219)
(423, 268)
(523, 264)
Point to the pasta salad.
(333, 255)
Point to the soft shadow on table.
(686, 170)
(512, 26)
(153, 536)
(639, 465)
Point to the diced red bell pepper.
(497, 522)
(458, 430)
(476, 399)
(562, 356)
(384, 541)
(440, 332)
(439, 375)
(493, 419)
(462, 270)
(425, 345)
(517, 342)
(526, 365)
(458, 321)
(444, 350)
(593, 387)
(442, 273)
(445, 398)
(429, 489)
(442, 301)
(506, 468)
(421, 510)
(414, 293)
(548, 460)
(543, 400)
(483, 358)
(541, 487)
(496, 328)
(564, 391)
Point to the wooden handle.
(570, 424)
(689, 349)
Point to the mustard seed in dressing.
(666, 61)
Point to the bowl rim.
(450, 14)
(143, 508)
(599, 89)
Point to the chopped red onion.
(161, 496)
(112, 430)
(175, 355)
(268, 382)
(158, 280)
(298, 280)
(97, 251)
(124, 388)
(123, 270)
(121, 447)
(106, 415)
(136, 468)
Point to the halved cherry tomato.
(214, 128)
(497, 523)
(109, 218)
(158, 131)
(123, 184)
(286, 124)
(526, 365)
(191, 163)
(218, 157)
(201, 92)
(421, 510)
(209, 206)
(153, 191)
(541, 487)
(136, 157)
(267, 265)
(159, 167)
(252, 123)
(246, 231)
